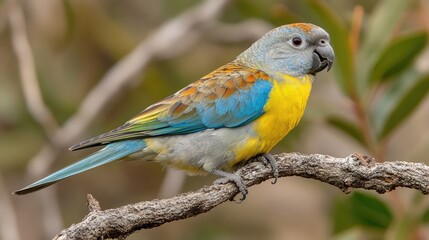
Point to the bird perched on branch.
(238, 111)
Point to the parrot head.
(295, 49)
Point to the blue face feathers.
(286, 50)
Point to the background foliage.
(374, 102)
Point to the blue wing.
(231, 96)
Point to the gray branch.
(27, 71)
(354, 171)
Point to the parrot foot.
(268, 159)
(231, 177)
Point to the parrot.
(239, 111)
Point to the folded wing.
(230, 96)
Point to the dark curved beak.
(323, 57)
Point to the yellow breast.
(283, 111)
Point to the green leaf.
(341, 216)
(358, 233)
(360, 209)
(398, 56)
(370, 211)
(348, 128)
(386, 100)
(405, 228)
(381, 23)
(425, 216)
(324, 16)
(378, 31)
(404, 105)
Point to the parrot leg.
(267, 158)
(231, 177)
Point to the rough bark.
(354, 171)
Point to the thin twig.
(354, 171)
(92, 203)
(247, 30)
(8, 220)
(27, 71)
(35, 104)
(356, 29)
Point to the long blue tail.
(111, 152)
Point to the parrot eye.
(296, 41)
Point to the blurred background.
(71, 70)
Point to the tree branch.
(27, 71)
(247, 30)
(354, 171)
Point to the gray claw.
(230, 177)
(266, 159)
